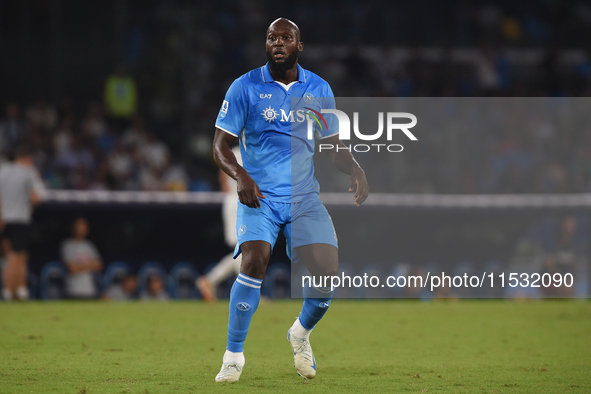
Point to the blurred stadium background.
(127, 164)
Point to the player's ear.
(300, 46)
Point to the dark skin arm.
(248, 191)
(346, 163)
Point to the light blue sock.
(244, 300)
(316, 303)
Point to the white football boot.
(303, 357)
(230, 372)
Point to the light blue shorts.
(303, 223)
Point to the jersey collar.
(266, 74)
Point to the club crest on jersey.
(308, 98)
(269, 114)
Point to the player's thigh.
(258, 229)
(310, 224)
(255, 258)
(320, 259)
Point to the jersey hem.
(328, 136)
(227, 131)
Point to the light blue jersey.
(273, 130)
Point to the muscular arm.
(346, 163)
(248, 190)
(223, 179)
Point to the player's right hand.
(249, 192)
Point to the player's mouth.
(279, 55)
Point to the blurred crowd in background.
(88, 152)
(123, 95)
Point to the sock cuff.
(248, 281)
(325, 290)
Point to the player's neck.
(285, 77)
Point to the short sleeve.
(332, 123)
(232, 115)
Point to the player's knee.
(330, 267)
(254, 266)
(321, 260)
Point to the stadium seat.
(114, 273)
(148, 268)
(52, 284)
(33, 285)
(181, 281)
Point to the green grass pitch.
(360, 346)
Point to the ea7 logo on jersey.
(265, 96)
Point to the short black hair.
(294, 26)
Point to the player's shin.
(244, 300)
(316, 303)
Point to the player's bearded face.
(284, 65)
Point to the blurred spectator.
(154, 289)
(62, 140)
(136, 134)
(175, 178)
(12, 131)
(487, 49)
(228, 265)
(95, 123)
(83, 260)
(21, 190)
(125, 290)
(42, 115)
(120, 165)
(153, 152)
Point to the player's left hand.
(359, 185)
